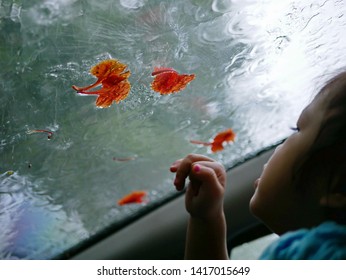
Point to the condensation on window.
(65, 163)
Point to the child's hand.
(204, 194)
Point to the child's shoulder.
(326, 241)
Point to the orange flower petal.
(216, 147)
(107, 67)
(116, 93)
(217, 144)
(133, 197)
(115, 86)
(113, 79)
(224, 136)
(168, 81)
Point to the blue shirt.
(324, 242)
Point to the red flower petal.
(115, 86)
(168, 81)
(133, 197)
(217, 144)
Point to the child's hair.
(325, 164)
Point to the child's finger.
(183, 169)
(175, 165)
(211, 173)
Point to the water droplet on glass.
(222, 6)
(132, 4)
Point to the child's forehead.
(331, 96)
(331, 102)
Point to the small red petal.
(168, 81)
(133, 197)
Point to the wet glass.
(257, 64)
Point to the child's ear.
(334, 200)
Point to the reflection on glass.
(256, 65)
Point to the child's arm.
(206, 239)
(206, 234)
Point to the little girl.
(300, 195)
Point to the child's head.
(310, 166)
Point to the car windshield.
(67, 161)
